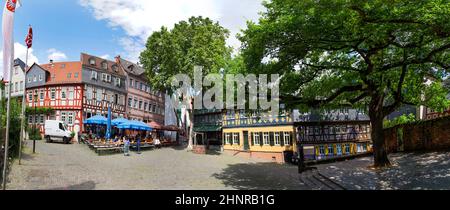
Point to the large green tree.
(377, 54)
(196, 42)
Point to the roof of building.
(131, 68)
(111, 67)
(18, 62)
(63, 72)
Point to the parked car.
(57, 131)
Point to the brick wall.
(426, 135)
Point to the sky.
(107, 28)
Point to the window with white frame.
(63, 94)
(41, 97)
(266, 140)
(41, 120)
(34, 78)
(63, 116)
(53, 94)
(16, 87)
(30, 96)
(40, 77)
(277, 138)
(130, 102)
(135, 103)
(99, 95)
(235, 138)
(228, 138)
(256, 139)
(89, 93)
(71, 94)
(29, 79)
(287, 138)
(70, 118)
(94, 75)
(21, 85)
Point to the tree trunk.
(190, 111)
(379, 145)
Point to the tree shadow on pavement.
(410, 171)
(89, 185)
(260, 176)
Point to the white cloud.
(139, 18)
(106, 57)
(56, 55)
(20, 51)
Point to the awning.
(155, 125)
(97, 120)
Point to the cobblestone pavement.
(76, 167)
(411, 171)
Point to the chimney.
(51, 63)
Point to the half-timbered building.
(104, 87)
(332, 134)
(57, 86)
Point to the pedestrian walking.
(126, 146)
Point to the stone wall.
(425, 135)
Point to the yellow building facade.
(259, 135)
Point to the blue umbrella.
(96, 120)
(108, 124)
(119, 121)
(135, 125)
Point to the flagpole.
(8, 113)
(22, 123)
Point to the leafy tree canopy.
(343, 52)
(377, 54)
(198, 41)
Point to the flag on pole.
(8, 39)
(29, 39)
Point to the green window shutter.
(261, 139)
(252, 142)
(282, 138)
(272, 139)
(231, 140)
(239, 139)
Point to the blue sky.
(64, 28)
(67, 27)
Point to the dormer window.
(104, 65)
(92, 61)
(131, 68)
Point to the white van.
(57, 131)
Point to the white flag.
(8, 39)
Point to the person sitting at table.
(116, 139)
